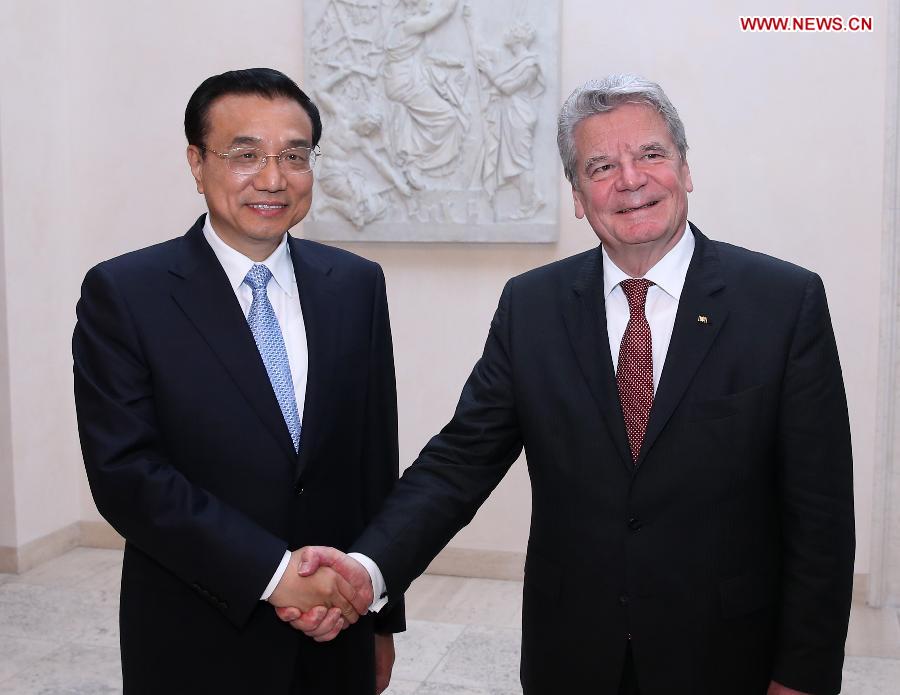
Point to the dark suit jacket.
(189, 458)
(726, 552)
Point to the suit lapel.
(584, 310)
(702, 311)
(206, 297)
(321, 316)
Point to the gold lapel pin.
(702, 319)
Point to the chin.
(642, 236)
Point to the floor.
(58, 634)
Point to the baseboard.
(99, 534)
(501, 564)
(455, 562)
(9, 560)
(33, 553)
(483, 564)
(91, 534)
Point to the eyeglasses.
(251, 160)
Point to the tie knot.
(258, 276)
(636, 293)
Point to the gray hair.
(601, 96)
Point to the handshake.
(322, 592)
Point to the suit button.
(299, 489)
(623, 600)
(635, 524)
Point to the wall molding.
(91, 534)
(884, 564)
(99, 534)
(40, 550)
(484, 564)
(456, 562)
(451, 561)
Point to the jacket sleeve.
(226, 557)
(816, 493)
(454, 473)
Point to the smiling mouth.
(625, 211)
(267, 206)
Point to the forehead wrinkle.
(249, 140)
(245, 140)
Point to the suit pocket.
(746, 594)
(725, 406)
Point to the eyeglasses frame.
(314, 151)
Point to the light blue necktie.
(270, 344)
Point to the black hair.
(264, 82)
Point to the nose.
(270, 177)
(630, 177)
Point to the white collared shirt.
(668, 277)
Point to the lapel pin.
(702, 319)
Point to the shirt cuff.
(379, 590)
(279, 573)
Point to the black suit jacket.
(189, 458)
(726, 553)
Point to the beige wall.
(786, 135)
(39, 273)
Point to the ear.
(686, 173)
(195, 160)
(579, 203)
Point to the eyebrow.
(245, 140)
(654, 147)
(596, 159)
(647, 147)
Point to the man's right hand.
(323, 623)
(325, 588)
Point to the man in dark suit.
(236, 401)
(682, 409)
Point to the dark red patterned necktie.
(635, 370)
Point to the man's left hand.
(779, 689)
(384, 661)
(320, 623)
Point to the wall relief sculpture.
(439, 119)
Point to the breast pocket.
(729, 440)
(726, 406)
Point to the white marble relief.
(439, 119)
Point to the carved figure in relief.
(513, 83)
(347, 190)
(428, 117)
